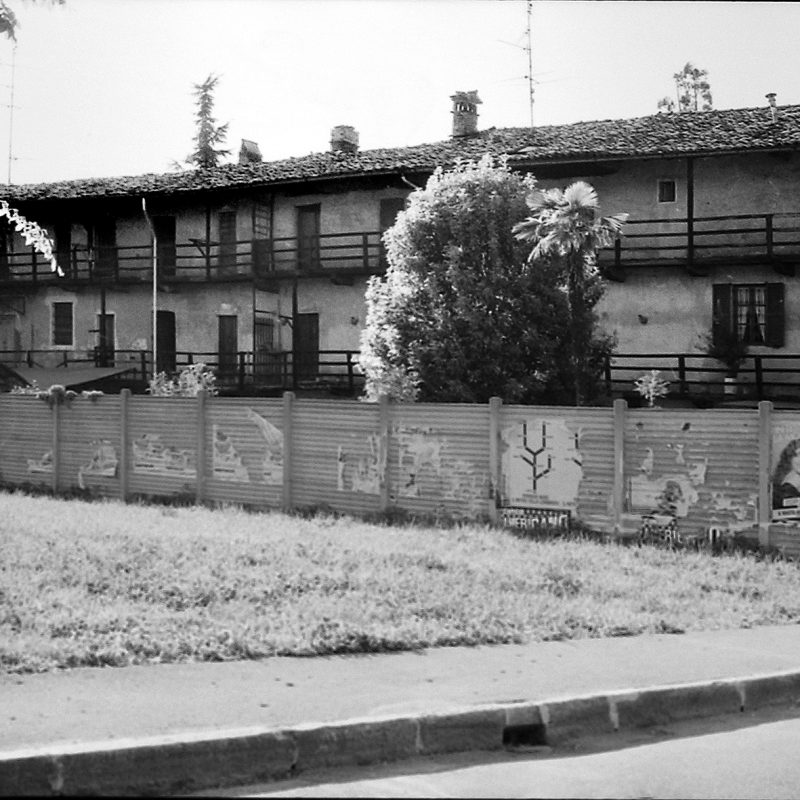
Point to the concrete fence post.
(288, 412)
(200, 427)
(495, 409)
(383, 452)
(124, 444)
(618, 490)
(56, 444)
(764, 471)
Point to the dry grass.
(108, 584)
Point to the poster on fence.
(786, 471)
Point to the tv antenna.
(529, 51)
(11, 112)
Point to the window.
(753, 311)
(666, 191)
(62, 324)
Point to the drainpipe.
(690, 213)
(155, 285)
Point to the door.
(266, 362)
(308, 236)
(306, 346)
(105, 244)
(228, 346)
(165, 245)
(227, 239)
(105, 340)
(165, 338)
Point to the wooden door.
(165, 339)
(228, 346)
(105, 248)
(227, 239)
(266, 362)
(308, 227)
(165, 245)
(306, 346)
(105, 340)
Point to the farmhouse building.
(260, 267)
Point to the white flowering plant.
(187, 383)
(34, 235)
(651, 386)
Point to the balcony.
(701, 242)
(319, 371)
(340, 256)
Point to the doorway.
(228, 345)
(308, 226)
(164, 228)
(165, 342)
(306, 346)
(104, 351)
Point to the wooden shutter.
(776, 316)
(722, 311)
(62, 324)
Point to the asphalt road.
(748, 756)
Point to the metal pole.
(155, 286)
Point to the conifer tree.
(206, 153)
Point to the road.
(750, 756)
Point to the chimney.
(344, 138)
(249, 153)
(465, 113)
(773, 105)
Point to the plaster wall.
(678, 309)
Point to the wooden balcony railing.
(738, 238)
(329, 254)
(326, 370)
(761, 377)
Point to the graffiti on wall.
(360, 473)
(152, 457)
(785, 475)
(41, 465)
(672, 482)
(272, 462)
(428, 469)
(103, 462)
(226, 462)
(541, 464)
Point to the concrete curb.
(193, 761)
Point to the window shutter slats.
(722, 303)
(775, 315)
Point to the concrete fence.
(673, 473)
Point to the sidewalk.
(186, 726)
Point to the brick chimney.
(249, 153)
(465, 113)
(344, 138)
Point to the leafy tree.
(209, 134)
(566, 235)
(462, 313)
(8, 19)
(692, 90)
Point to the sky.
(104, 87)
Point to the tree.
(566, 235)
(692, 90)
(209, 134)
(8, 19)
(462, 313)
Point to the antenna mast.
(11, 112)
(529, 50)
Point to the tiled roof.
(712, 132)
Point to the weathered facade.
(260, 268)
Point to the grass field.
(90, 584)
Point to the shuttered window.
(62, 324)
(753, 311)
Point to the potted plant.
(724, 345)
